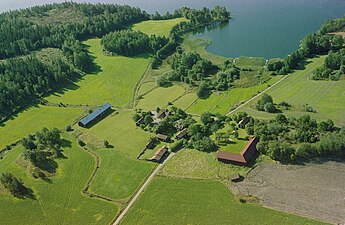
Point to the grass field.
(250, 62)
(237, 144)
(199, 45)
(194, 164)
(114, 82)
(160, 97)
(34, 119)
(146, 87)
(181, 201)
(224, 102)
(59, 201)
(185, 101)
(119, 176)
(158, 27)
(327, 97)
(121, 132)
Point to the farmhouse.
(243, 122)
(241, 159)
(159, 154)
(95, 116)
(182, 133)
(162, 137)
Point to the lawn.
(199, 46)
(34, 119)
(237, 144)
(224, 102)
(183, 201)
(146, 87)
(59, 201)
(250, 62)
(119, 176)
(114, 82)
(121, 132)
(160, 97)
(158, 27)
(327, 97)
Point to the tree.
(105, 143)
(265, 103)
(236, 134)
(207, 118)
(203, 90)
(148, 119)
(14, 185)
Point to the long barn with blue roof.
(95, 116)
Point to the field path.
(142, 188)
(251, 99)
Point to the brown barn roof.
(244, 157)
(162, 137)
(182, 133)
(159, 153)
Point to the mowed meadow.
(326, 97)
(60, 200)
(113, 81)
(184, 201)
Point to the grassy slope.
(175, 201)
(119, 176)
(158, 27)
(114, 82)
(58, 202)
(327, 97)
(34, 119)
(223, 102)
(160, 97)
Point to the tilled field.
(314, 190)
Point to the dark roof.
(244, 157)
(95, 114)
(159, 153)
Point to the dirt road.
(142, 188)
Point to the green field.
(185, 101)
(114, 82)
(146, 87)
(181, 201)
(121, 132)
(224, 102)
(237, 144)
(158, 27)
(160, 97)
(34, 119)
(119, 176)
(59, 201)
(327, 97)
(250, 62)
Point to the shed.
(162, 137)
(95, 116)
(182, 133)
(159, 154)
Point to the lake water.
(267, 28)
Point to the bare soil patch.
(314, 190)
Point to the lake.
(263, 28)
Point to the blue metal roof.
(95, 114)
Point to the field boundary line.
(252, 98)
(141, 190)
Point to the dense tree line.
(19, 34)
(298, 139)
(129, 43)
(333, 67)
(24, 79)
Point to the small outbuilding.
(163, 137)
(159, 154)
(95, 116)
(182, 133)
(242, 124)
(140, 121)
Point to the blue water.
(266, 28)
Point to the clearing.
(158, 27)
(114, 82)
(314, 190)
